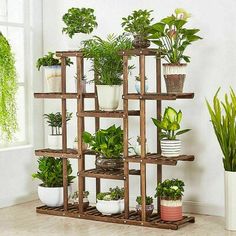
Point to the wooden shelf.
(159, 96)
(134, 219)
(141, 51)
(73, 53)
(110, 114)
(63, 95)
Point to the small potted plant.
(75, 199)
(138, 84)
(80, 23)
(149, 205)
(137, 148)
(108, 66)
(50, 172)
(75, 144)
(138, 24)
(52, 71)
(108, 143)
(169, 130)
(171, 192)
(172, 38)
(111, 202)
(54, 121)
(82, 84)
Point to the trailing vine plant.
(8, 90)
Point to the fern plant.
(8, 90)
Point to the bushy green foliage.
(50, 172)
(170, 189)
(149, 200)
(169, 124)
(223, 118)
(172, 37)
(8, 90)
(106, 142)
(138, 22)
(79, 20)
(107, 64)
(113, 194)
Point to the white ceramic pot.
(170, 148)
(108, 97)
(75, 42)
(110, 207)
(52, 197)
(230, 200)
(137, 149)
(138, 86)
(55, 141)
(53, 77)
(82, 86)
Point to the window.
(15, 25)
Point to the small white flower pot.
(75, 42)
(137, 149)
(55, 141)
(52, 197)
(138, 86)
(170, 148)
(230, 200)
(108, 97)
(53, 77)
(82, 86)
(110, 207)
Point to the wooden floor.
(22, 220)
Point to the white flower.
(174, 187)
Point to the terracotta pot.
(109, 163)
(149, 210)
(171, 210)
(140, 42)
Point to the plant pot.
(55, 141)
(174, 75)
(75, 42)
(170, 148)
(52, 75)
(110, 207)
(138, 86)
(52, 197)
(140, 42)
(108, 97)
(84, 146)
(85, 202)
(149, 210)
(230, 203)
(171, 210)
(109, 163)
(82, 86)
(137, 149)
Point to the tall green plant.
(223, 118)
(8, 90)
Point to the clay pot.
(109, 163)
(140, 42)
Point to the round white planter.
(75, 42)
(170, 148)
(52, 197)
(82, 86)
(110, 207)
(138, 86)
(230, 200)
(108, 97)
(53, 77)
(55, 141)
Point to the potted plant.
(223, 119)
(54, 121)
(52, 70)
(50, 172)
(8, 88)
(75, 199)
(111, 202)
(75, 144)
(149, 205)
(80, 22)
(82, 84)
(108, 66)
(172, 38)
(138, 84)
(137, 148)
(138, 24)
(108, 144)
(169, 128)
(171, 192)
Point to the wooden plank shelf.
(110, 114)
(63, 95)
(158, 96)
(138, 52)
(133, 219)
(78, 53)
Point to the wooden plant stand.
(128, 216)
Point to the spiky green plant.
(8, 90)
(223, 118)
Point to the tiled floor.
(23, 221)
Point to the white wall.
(213, 60)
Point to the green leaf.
(182, 131)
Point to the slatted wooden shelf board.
(138, 52)
(69, 53)
(134, 219)
(158, 96)
(110, 114)
(63, 95)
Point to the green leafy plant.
(8, 90)
(106, 142)
(107, 64)
(170, 189)
(149, 200)
(113, 194)
(54, 120)
(170, 124)
(138, 22)
(172, 38)
(223, 119)
(50, 172)
(79, 20)
(51, 60)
